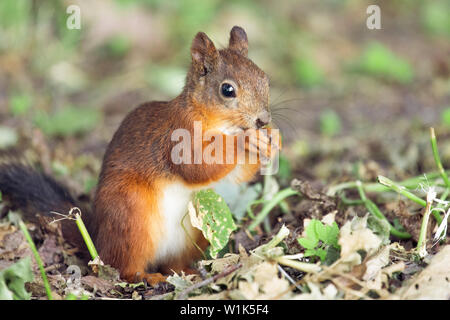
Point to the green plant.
(212, 216)
(13, 278)
(75, 214)
(321, 241)
(37, 257)
(268, 206)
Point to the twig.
(301, 266)
(183, 294)
(288, 277)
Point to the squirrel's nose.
(263, 119)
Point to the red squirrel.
(142, 194)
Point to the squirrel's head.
(228, 83)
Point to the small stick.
(205, 282)
(288, 277)
(301, 266)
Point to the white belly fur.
(175, 199)
(174, 205)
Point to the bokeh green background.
(335, 85)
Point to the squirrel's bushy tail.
(35, 193)
(31, 191)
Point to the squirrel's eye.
(228, 90)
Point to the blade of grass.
(86, 237)
(373, 209)
(402, 190)
(411, 183)
(75, 214)
(437, 159)
(270, 204)
(30, 241)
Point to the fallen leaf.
(433, 282)
(356, 236)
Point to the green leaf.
(311, 230)
(321, 230)
(308, 243)
(332, 235)
(321, 241)
(12, 280)
(216, 218)
(332, 255)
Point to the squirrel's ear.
(238, 41)
(204, 54)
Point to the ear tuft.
(204, 54)
(238, 41)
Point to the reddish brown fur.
(126, 222)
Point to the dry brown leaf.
(355, 236)
(433, 282)
(373, 275)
